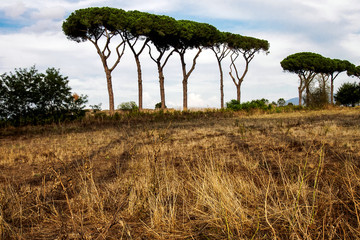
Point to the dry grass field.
(274, 176)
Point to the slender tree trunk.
(140, 86)
(307, 99)
(162, 87)
(332, 91)
(184, 81)
(185, 95)
(238, 92)
(221, 85)
(110, 91)
(300, 96)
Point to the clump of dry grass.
(285, 176)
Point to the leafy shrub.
(128, 106)
(262, 104)
(158, 105)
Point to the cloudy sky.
(30, 34)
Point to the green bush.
(158, 105)
(128, 106)
(262, 104)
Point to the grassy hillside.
(278, 176)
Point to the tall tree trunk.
(185, 95)
(184, 81)
(140, 87)
(307, 99)
(300, 96)
(221, 85)
(332, 91)
(162, 87)
(238, 92)
(110, 91)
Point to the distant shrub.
(128, 106)
(158, 105)
(262, 104)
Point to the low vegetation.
(212, 176)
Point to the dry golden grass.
(278, 176)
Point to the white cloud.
(54, 12)
(14, 9)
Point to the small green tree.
(306, 65)
(28, 96)
(348, 94)
(281, 102)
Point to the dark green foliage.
(163, 33)
(245, 43)
(193, 34)
(262, 104)
(30, 97)
(305, 62)
(158, 105)
(348, 94)
(354, 71)
(128, 106)
(89, 23)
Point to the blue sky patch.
(10, 25)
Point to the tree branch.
(167, 58)
(194, 62)
(119, 55)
